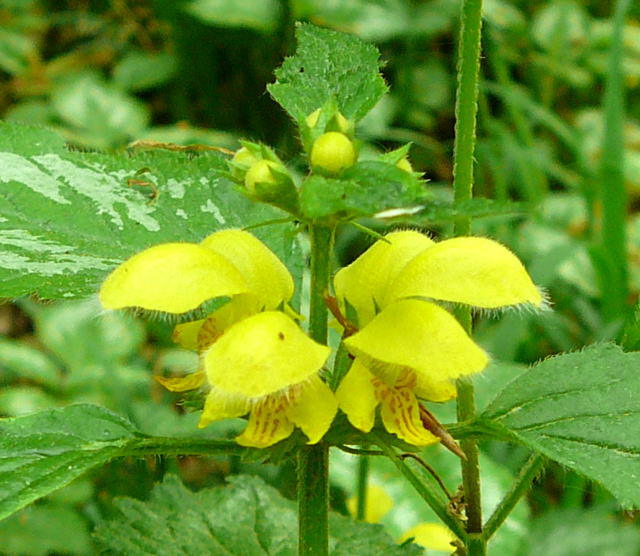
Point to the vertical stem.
(313, 461)
(363, 479)
(613, 193)
(464, 145)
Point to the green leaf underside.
(583, 410)
(328, 66)
(68, 218)
(364, 189)
(247, 517)
(45, 451)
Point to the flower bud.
(260, 172)
(332, 153)
(241, 162)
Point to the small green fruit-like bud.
(404, 164)
(332, 152)
(260, 172)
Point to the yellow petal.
(364, 283)
(378, 504)
(401, 416)
(182, 383)
(472, 270)
(268, 423)
(222, 405)
(434, 390)
(262, 354)
(267, 277)
(200, 334)
(433, 536)
(313, 407)
(186, 334)
(171, 277)
(417, 335)
(357, 398)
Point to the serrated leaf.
(42, 452)
(583, 410)
(68, 218)
(328, 66)
(364, 189)
(245, 518)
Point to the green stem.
(464, 146)
(521, 484)
(612, 189)
(313, 461)
(363, 479)
(430, 493)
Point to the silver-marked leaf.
(582, 410)
(68, 218)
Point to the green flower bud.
(260, 172)
(312, 119)
(332, 153)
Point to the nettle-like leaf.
(582, 410)
(364, 189)
(42, 452)
(328, 66)
(68, 218)
(245, 517)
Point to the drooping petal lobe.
(262, 354)
(313, 407)
(401, 416)
(357, 397)
(183, 383)
(267, 277)
(220, 405)
(172, 278)
(432, 536)
(364, 283)
(268, 423)
(471, 270)
(417, 335)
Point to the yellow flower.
(377, 505)
(254, 360)
(432, 536)
(408, 347)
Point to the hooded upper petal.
(417, 335)
(172, 278)
(265, 274)
(472, 270)
(364, 283)
(262, 354)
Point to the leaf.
(45, 451)
(21, 361)
(42, 452)
(139, 71)
(328, 66)
(246, 517)
(588, 532)
(364, 189)
(43, 530)
(260, 15)
(68, 218)
(582, 410)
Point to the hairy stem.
(464, 146)
(313, 461)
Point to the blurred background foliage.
(105, 73)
